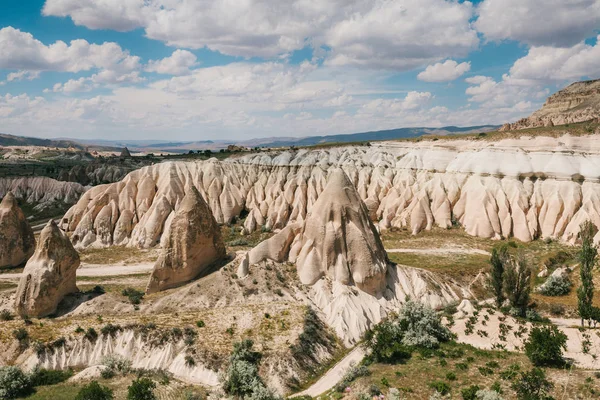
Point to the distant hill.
(185, 146)
(12, 140)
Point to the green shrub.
(21, 335)
(545, 346)
(451, 376)
(200, 324)
(486, 394)
(6, 315)
(91, 335)
(110, 330)
(441, 387)
(94, 391)
(13, 383)
(470, 393)
(45, 377)
(533, 385)
(141, 389)
(135, 296)
(556, 286)
(351, 375)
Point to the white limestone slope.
(41, 191)
(526, 187)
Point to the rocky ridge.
(578, 102)
(527, 188)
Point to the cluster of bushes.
(140, 389)
(556, 286)
(135, 296)
(416, 326)
(241, 378)
(15, 383)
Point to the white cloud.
(179, 63)
(553, 64)
(449, 70)
(372, 33)
(402, 35)
(20, 50)
(73, 85)
(558, 23)
(20, 75)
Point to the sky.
(241, 69)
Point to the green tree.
(587, 260)
(517, 283)
(533, 385)
(498, 259)
(13, 383)
(545, 346)
(94, 391)
(141, 389)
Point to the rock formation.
(193, 242)
(42, 192)
(125, 153)
(17, 242)
(337, 240)
(49, 274)
(522, 187)
(578, 102)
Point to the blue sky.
(229, 69)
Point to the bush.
(141, 389)
(13, 383)
(6, 315)
(441, 387)
(46, 377)
(91, 335)
(200, 324)
(352, 373)
(470, 393)
(135, 296)
(94, 391)
(545, 346)
(385, 343)
(110, 330)
(556, 286)
(451, 376)
(421, 326)
(533, 385)
(21, 334)
(116, 364)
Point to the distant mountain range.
(390, 134)
(184, 146)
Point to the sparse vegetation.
(533, 385)
(94, 391)
(135, 296)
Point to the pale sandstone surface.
(17, 242)
(578, 102)
(49, 275)
(193, 243)
(523, 187)
(42, 191)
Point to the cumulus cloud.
(21, 51)
(73, 85)
(553, 64)
(178, 63)
(449, 70)
(559, 23)
(21, 75)
(375, 33)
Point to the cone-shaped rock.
(17, 242)
(194, 242)
(337, 240)
(49, 274)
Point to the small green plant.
(190, 361)
(556, 286)
(141, 389)
(79, 329)
(441, 387)
(200, 324)
(94, 391)
(451, 376)
(6, 315)
(462, 366)
(135, 296)
(470, 393)
(533, 385)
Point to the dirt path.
(335, 374)
(100, 270)
(440, 251)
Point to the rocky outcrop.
(42, 192)
(49, 274)
(578, 102)
(125, 153)
(17, 242)
(522, 187)
(193, 242)
(337, 240)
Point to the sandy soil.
(335, 374)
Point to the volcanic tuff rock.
(525, 187)
(41, 191)
(17, 242)
(193, 242)
(578, 102)
(49, 274)
(337, 240)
